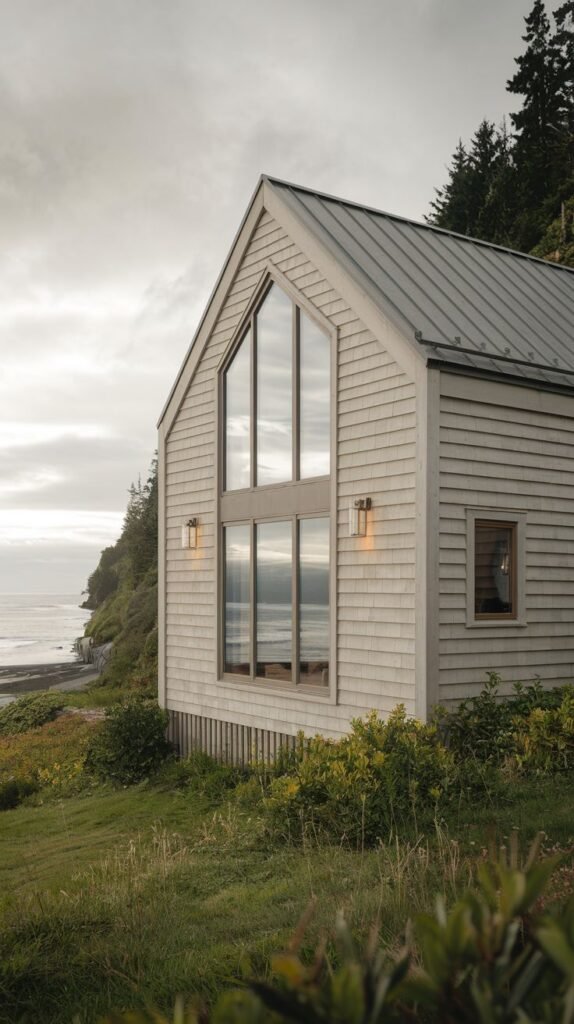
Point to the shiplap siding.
(505, 458)
(376, 456)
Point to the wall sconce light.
(189, 534)
(358, 517)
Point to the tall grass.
(162, 914)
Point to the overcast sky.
(133, 134)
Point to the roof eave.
(457, 369)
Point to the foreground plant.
(487, 961)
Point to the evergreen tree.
(482, 170)
(450, 208)
(539, 125)
(518, 189)
(498, 209)
(564, 38)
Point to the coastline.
(16, 680)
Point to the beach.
(18, 679)
(37, 644)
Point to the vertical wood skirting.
(225, 741)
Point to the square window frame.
(506, 518)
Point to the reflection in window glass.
(274, 389)
(315, 375)
(237, 418)
(273, 583)
(237, 602)
(314, 601)
(494, 569)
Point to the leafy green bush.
(202, 774)
(483, 728)
(13, 791)
(29, 712)
(544, 740)
(131, 743)
(490, 959)
(382, 776)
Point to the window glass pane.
(314, 601)
(274, 600)
(274, 371)
(315, 419)
(237, 602)
(493, 569)
(237, 418)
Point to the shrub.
(483, 728)
(29, 712)
(544, 740)
(131, 744)
(13, 791)
(382, 776)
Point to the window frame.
(505, 519)
(253, 678)
(311, 497)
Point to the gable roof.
(460, 302)
(467, 303)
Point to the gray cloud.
(133, 133)
(80, 472)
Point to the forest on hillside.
(122, 592)
(514, 184)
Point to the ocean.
(39, 629)
(274, 632)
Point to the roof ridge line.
(415, 223)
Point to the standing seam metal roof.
(484, 307)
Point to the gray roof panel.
(490, 302)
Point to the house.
(366, 469)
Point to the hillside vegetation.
(122, 592)
(515, 186)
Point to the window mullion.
(253, 404)
(253, 596)
(295, 387)
(295, 600)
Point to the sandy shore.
(18, 679)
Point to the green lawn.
(131, 897)
(125, 898)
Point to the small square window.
(494, 569)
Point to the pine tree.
(564, 38)
(540, 123)
(498, 210)
(450, 208)
(482, 167)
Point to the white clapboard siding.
(376, 586)
(500, 457)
